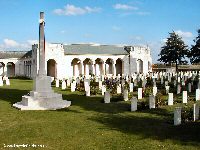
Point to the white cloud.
(10, 43)
(184, 34)
(116, 28)
(71, 10)
(14, 45)
(124, 7)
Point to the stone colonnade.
(97, 67)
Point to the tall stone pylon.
(42, 97)
(41, 45)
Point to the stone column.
(42, 46)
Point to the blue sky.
(132, 22)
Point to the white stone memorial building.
(64, 61)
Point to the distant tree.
(174, 51)
(194, 54)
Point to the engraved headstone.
(170, 99)
(177, 116)
(107, 97)
(133, 104)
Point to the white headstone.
(63, 85)
(161, 80)
(73, 87)
(57, 83)
(131, 87)
(139, 93)
(152, 103)
(100, 85)
(88, 92)
(177, 116)
(133, 104)
(167, 89)
(178, 89)
(170, 99)
(68, 82)
(197, 94)
(154, 90)
(196, 112)
(185, 97)
(86, 85)
(189, 87)
(1, 82)
(107, 97)
(119, 89)
(7, 81)
(125, 95)
(103, 90)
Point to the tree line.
(175, 51)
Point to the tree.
(195, 50)
(174, 51)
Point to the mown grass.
(90, 124)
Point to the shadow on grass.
(12, 95)
(153, 128)
(113, 117)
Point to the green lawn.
(90, 124)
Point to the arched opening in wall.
(119, 66)
(88, 69)
(10, 69)
(109, 66)
(2, 65)
(76, 64)
(52, 68)
(149, 66)
(140, 65)
(99, 66)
